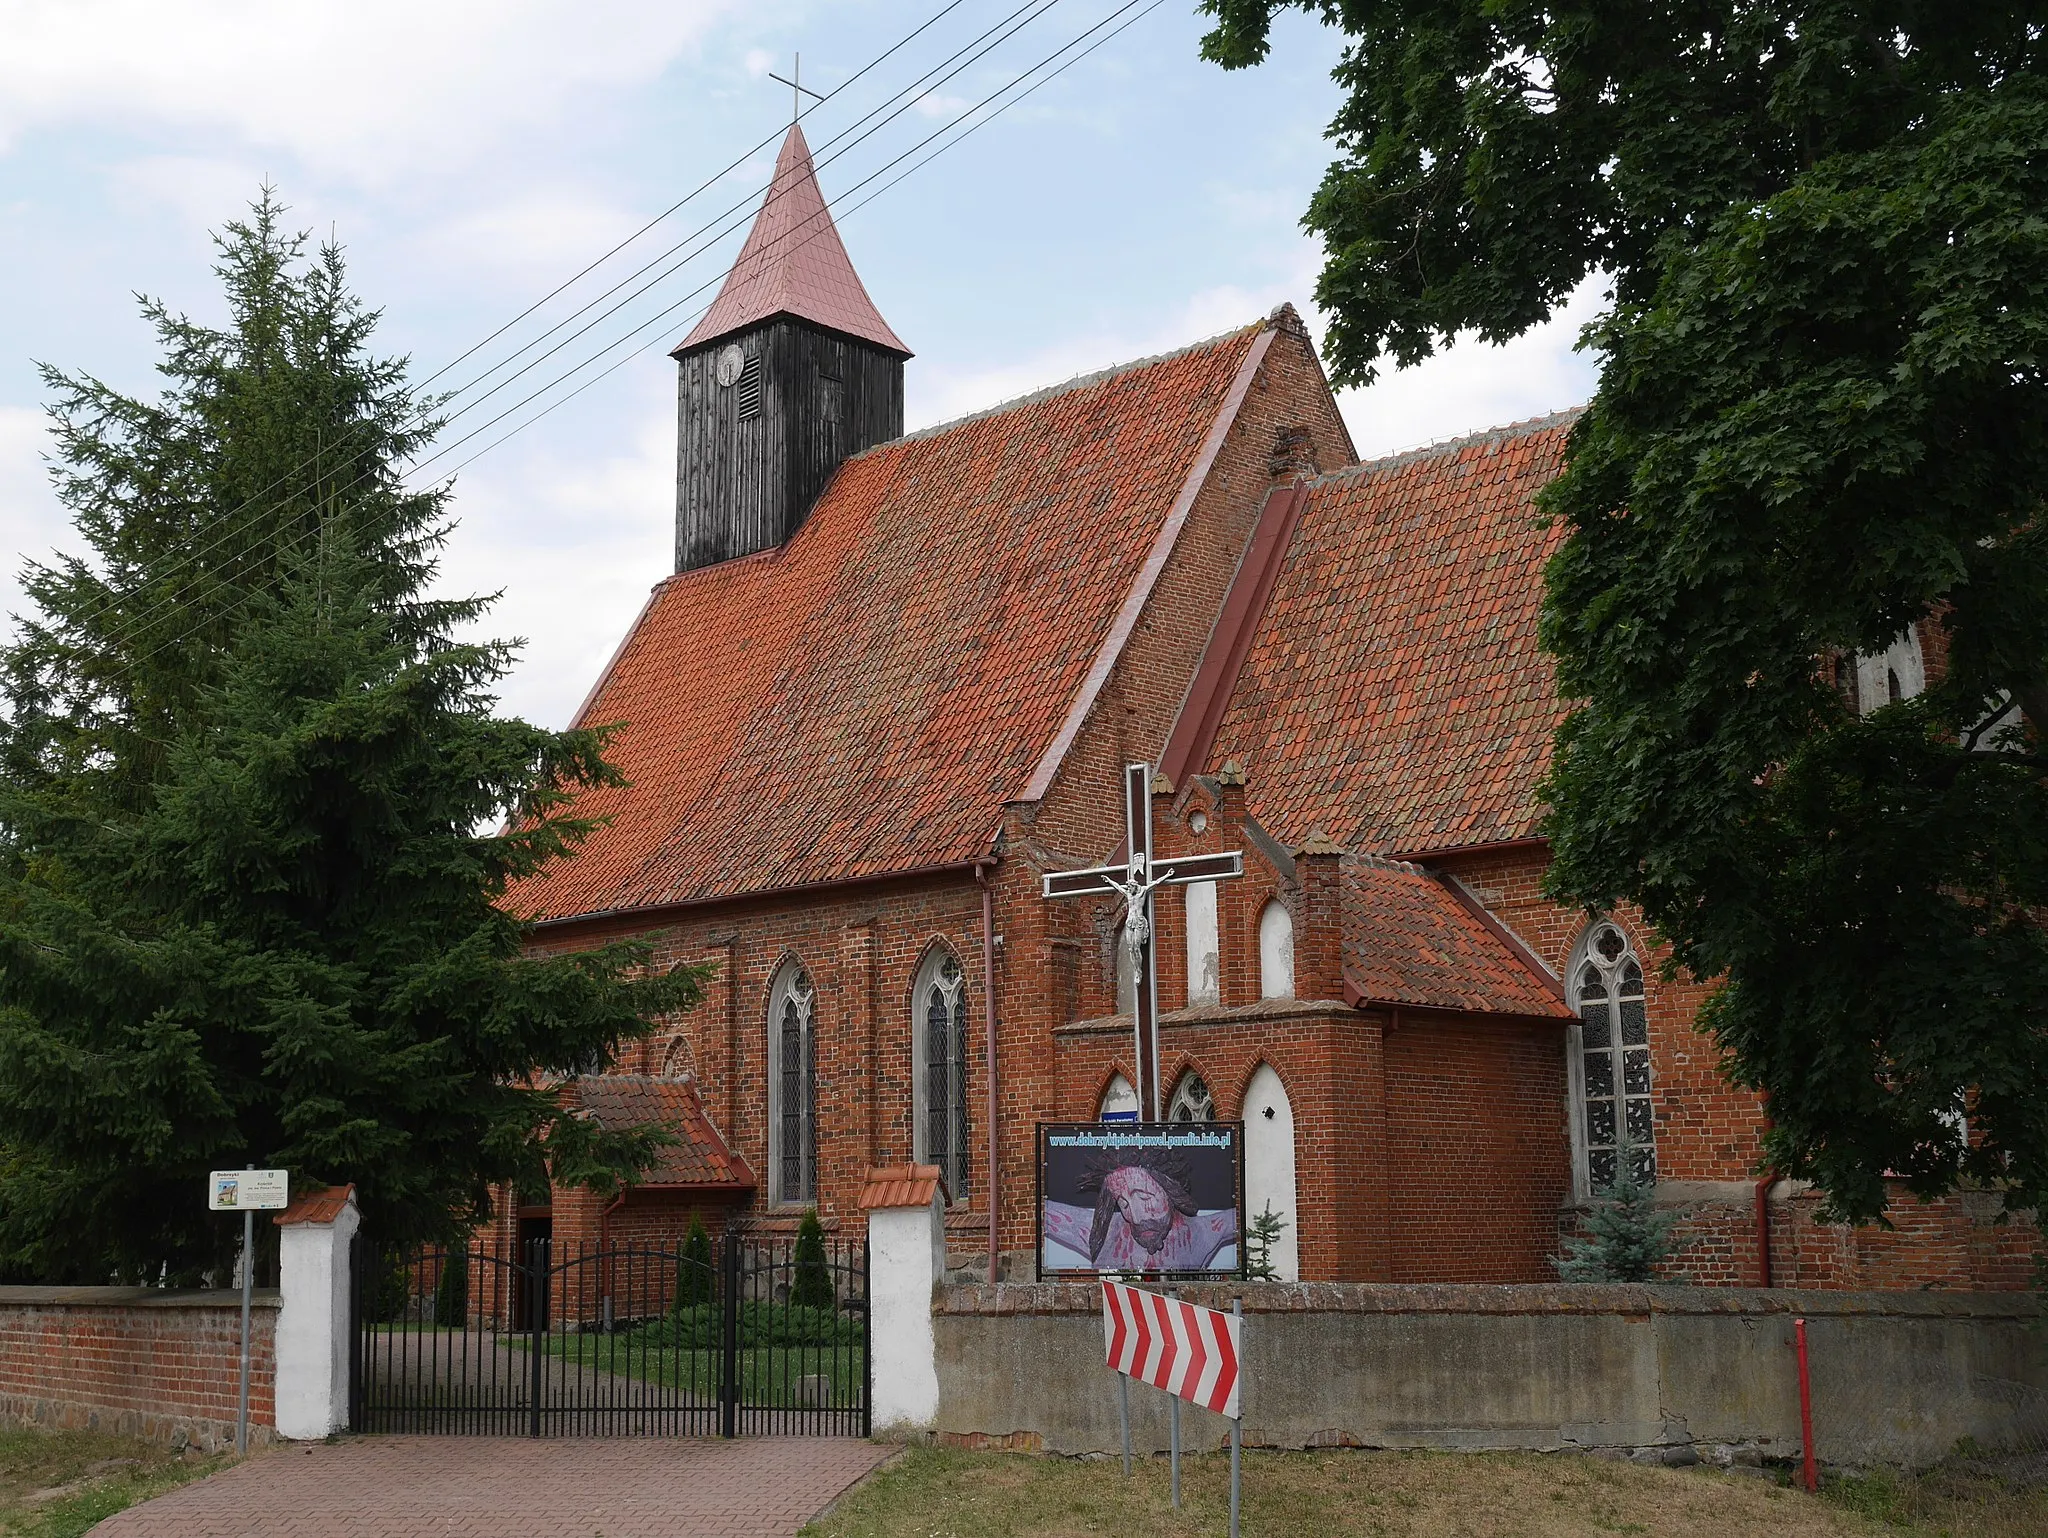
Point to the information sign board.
(248, 1190)
(1160, 1198)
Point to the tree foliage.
(249, 777)
(810, 1283)
(1821, 419)
(1628, 1233)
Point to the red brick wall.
(162, 1365)
(863, 947)
(1477, 1162)
(1709, 1131)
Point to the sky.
(473, 155)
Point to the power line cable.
(1129, 5)
(907, 98)
(419, 415)
(663, 315)
(842, 216)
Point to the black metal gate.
(750, 1337)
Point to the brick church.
(891, 683)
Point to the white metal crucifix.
(1135, 881)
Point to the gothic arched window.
(1119, 1100)
(1612, 1073)
(1191, 1100)
(793, 1086)
(1876, 679)
(939, 1054)
(1276, 951)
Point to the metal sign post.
(1188, 1351)
(247, 1191)
(1135, 881)
(1236, 1432)
(1173, 1419)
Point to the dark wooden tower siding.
(747, 478)
(813, 374)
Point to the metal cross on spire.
(1135, 881)
(797, 89)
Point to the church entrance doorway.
(750, 1337)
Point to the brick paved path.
(511, 1487)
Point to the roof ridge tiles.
(1526, 428)
(1078, 382)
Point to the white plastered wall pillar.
(1269, 1165)
(906, 1208)
(313, 1345)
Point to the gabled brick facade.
(865, 748)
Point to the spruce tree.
(451, 1293)
(696, 1277)
(811, 1284)
(1259, 1242)
(1627, 1234)
(258, 814)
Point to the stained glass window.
(941, 1026)
(793, 1078)
(1191, 1100)
(1614, 1060)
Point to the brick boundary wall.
(1674, 1374)
(160, 1364)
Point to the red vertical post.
(1809, 1476)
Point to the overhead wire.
(1141, 7)
(905, 98)
(839, 217)
(662, 316)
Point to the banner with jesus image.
(1161, 1197)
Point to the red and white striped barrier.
(1187, 1350)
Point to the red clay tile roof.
(865, 699)
(321, 1206)
(1395, 693)
(793, 264)
(621, 1100)
(1408, 940)
(901, 1185)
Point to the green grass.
(949, 1493)
(768, 1375)
(1965, 1498)
(58, 1484)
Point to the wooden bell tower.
(791, 371)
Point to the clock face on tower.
(730, 362)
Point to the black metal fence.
(749, 1337)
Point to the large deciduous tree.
(1821, 419)
(258, 811)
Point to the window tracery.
(1613, 1049)
(793, 1086)
(1191, 1100)
(939, 1030)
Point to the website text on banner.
(1187, 1350)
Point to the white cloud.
(543, 234)
(1473, 386)
(574, 543)
(1466, 388)
(201, 191)
(367, 88)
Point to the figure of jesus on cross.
(1135, 880)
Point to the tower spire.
(794, 264)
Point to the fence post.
(539, 1301)
(315, 1345)
(906, 1208)
(729, 1339)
